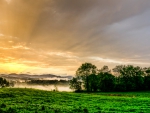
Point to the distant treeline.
(120, 78)
(48, 82)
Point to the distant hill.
(14, 76)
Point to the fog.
(44, 87)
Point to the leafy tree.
(104, 69)
(75, 84)
(93, 82)
(3, 82)
(147, 78)
(129, 77)
(106, 81)
(84, 71)
(119, 85)
(146, 70)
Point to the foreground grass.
(36, 101)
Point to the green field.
(36, 101)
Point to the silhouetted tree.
(106, 81)
(93, 82)
(104, 69)
(147, 78)
(125, 78)
(3, 82)
(75, 84)
(129, 77)
(84, 71)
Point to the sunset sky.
(57, 36)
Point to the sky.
(57, 36)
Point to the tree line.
(120, 78)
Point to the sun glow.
(8, 1)
(13, 67)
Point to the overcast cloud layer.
(57, 36)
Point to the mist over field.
(46, 82)
(43, 87)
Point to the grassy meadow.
(15, 100)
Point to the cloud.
(1, 35)
(118, 62)
(15, 47)
(62, 34)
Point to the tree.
(104, 69)
(106, 81)
(75, 84)
(84, 71)
(93, 82)
(129, 77)
(147, 78)
(3, 82)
